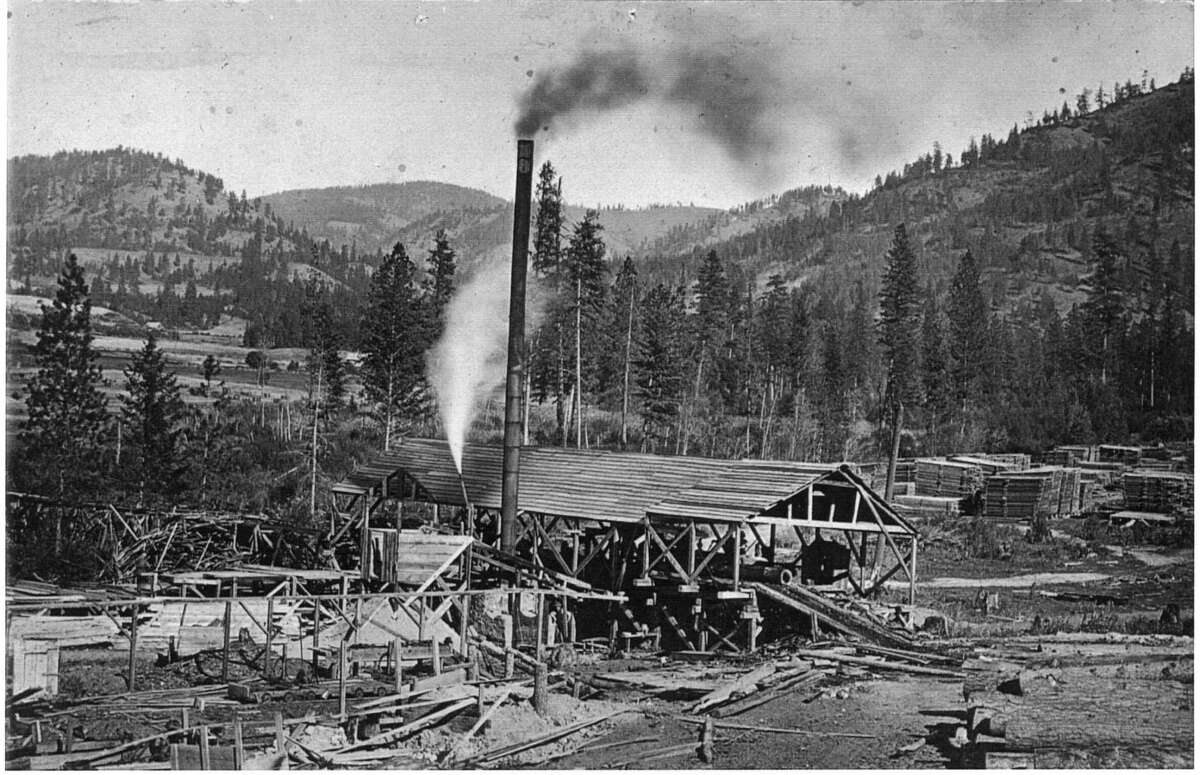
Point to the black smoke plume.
(729, 96)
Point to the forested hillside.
(1055, 268)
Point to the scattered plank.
(779, 730)
(883, 665)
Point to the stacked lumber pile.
(1082, 700)
(1156, 491)
(1103, 474)
(1013, 498)
(988, 465)
(948, 479)
(1113, 453)
(994, 462)
(1048, 490)
(1070, 455)
(1017, 460)
(926, 506)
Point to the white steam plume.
(469, 360)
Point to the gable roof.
(606, 486)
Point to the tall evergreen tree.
(548, 350)
(1105, 304)
(394, 338)
(936, 378)
(439, 284)
(660, 365)
(585, 270)
(67, 420)
(899, 335)
(967, 313)
(152, 411)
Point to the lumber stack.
(1013, 498)
(1081, 700)
(988, 465)
(926, 506)
(1049, 490)
(1070, 455)
(947, 479)
(1113, 453)
(1157, 491)
(1016, 460)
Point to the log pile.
(948, 479)
(1082, 698)
(1155, 491)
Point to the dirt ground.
(888, 713)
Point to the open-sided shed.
(677, 526)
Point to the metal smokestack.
(516, 348)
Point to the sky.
(282, 95)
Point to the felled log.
(735, 689)
(902, 667)
(1146, 713)
(773, 692)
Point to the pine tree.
(67, 420)
(548, 350)
(394, 340)
(936, 378)
(1105, 302)
(625, 299)
(439, 285)
(660, 365)
(152, 411)
(967, 313)
(899, 335)
(585, 269)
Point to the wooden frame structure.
(670, 532)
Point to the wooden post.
(133, 633)
(509, 660)
(281, 741)
(185, 720)
(541, 628)
(737, 556)
(707, 735)
(541, 694)
(771, 548)
(342, 670)
(270, 632)
(316, 638)
(646, 548)
(239, 751)
(912, 575)
(397, 655)
(437, 655)
(205, 757)
(691, 556)
(479, 700)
